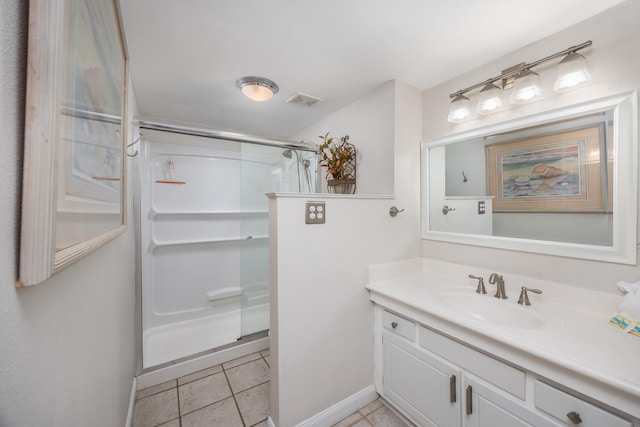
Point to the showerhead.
(287, 153)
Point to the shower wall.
(204, 240)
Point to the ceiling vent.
(303, 99)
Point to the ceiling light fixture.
(257, 88)
(573, 72)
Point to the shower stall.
(203, 234)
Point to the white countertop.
(574, 343)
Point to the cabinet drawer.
(560, 405)
(399, 325)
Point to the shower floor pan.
(162, 344)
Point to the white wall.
(406, 156)
(322, 348)
(615, 68)
(369, 122)
(321, 316)
(67, 345)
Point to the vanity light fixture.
(572, 73)
(490, 100)
(257, 88)
(526, 87)
(460, 109)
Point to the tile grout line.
(179, 408)
(156, 393)
(250, 388)
(233, 395)
(205, 406)
(265, 361)
(176, 386)
(258, 385)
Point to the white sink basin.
(489, 309)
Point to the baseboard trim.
(132, 403)
(340, 410)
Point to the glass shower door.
(256, 179)
(265, 169)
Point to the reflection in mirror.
(539, 180)
(89, 176)
(90, 140)
(556, 183)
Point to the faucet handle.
(480, 289)
(524, 297)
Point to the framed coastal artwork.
(75, 128)
(562, 172)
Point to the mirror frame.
(625, 181)
(39, 258)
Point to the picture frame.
(563, 172)
(74, 177)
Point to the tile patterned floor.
(234, 394)
(375, 414)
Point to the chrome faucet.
(496, 279)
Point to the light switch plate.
(314, 213)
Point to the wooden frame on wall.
(562, 172)
(74, 182)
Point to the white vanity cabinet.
(424, 386)
(566, 407)
(485, 406)
(436, 380)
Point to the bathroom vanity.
(448, 356)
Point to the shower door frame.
(139, 126)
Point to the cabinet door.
(486, 406)
(425, 387)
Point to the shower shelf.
(159, 181)
(155, 244)
(155, 213)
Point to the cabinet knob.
(574, 417)
(394, 325)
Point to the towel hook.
(135, 152)
(393, 211)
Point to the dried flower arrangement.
(340, 160)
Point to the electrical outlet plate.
(481, 207)
(314, 213)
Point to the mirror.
(562, 182)
(73, 191)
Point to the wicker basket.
(341, 186)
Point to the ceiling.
(186, 55)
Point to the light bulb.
(257, 92)
(490, 100)
(526, 88)
(573, 71)
(460, 109)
